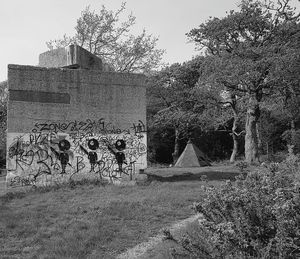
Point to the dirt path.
(147, 249)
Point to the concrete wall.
(71, 56)
(54, 58)
(66, 123)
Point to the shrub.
(242, 166)
(255, 217)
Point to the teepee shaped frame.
(192, 156)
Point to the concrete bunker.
(70, 118)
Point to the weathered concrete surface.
(72, 56)
(119, 98)
(50, 105)
(156, 247)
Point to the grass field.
(91, 221)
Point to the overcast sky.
(25, 25)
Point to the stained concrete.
(118, 98)
(73, 56)
(49, 107)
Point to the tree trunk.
(234, 135)
(293, 133)
(251, 141)
(259, 137)
(235, 148)
(175, 154)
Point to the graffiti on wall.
(56, 151)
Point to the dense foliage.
(255, 217)
(3, 122)
(251, 46)
(247, 79)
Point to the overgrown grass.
(88, 220)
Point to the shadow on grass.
(209, 176)
(71, 184)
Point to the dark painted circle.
(64, 145)
(93, 144)
(120, 144)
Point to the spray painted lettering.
(56, 151)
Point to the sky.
(26, 25)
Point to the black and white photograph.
(134, 129)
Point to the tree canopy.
(251, 45)
(3, 121)
(106, 35)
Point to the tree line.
(245, 83)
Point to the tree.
(283, 108)
(226, 103)
(290, 96)
(249, 43)
(3, 121)
(185, 97)
(104, 35)
(175, 103)
(234, 103)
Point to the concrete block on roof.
(72, 56)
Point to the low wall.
(72, 124)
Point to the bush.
(242, 166)
(254, 217)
